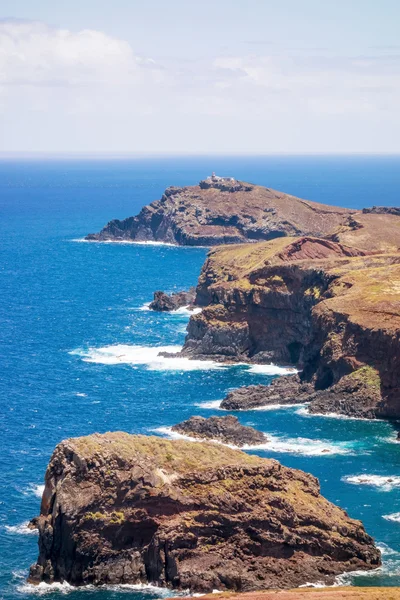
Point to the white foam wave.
(214, 404)
(126, 242)
(64, 588)
(395, 517)
(147, 356)
(277, 406)
(271, 370)
(150, 356)
(35, 489)
(303, 446)
(385, 550)
(186, 310)
(145, 306)
(382, 482)
(21, 529)
(304, 413)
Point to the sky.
(207, 77)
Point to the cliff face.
(327, 308)
(119, 508)
(232, 212)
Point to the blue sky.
(254, 76)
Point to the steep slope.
(233, 212)
(325, 307)
(228, 211)
(198, 516)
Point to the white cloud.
(87, 90)
(35, 54)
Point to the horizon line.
(102, 155)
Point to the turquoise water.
(77, 344)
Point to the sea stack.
(197, 516)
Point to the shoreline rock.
(227, 430)
(163, 302)
(119, 508)
(287, 389)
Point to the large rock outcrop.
(226, 430)
(230, 212)
(327, 308)
(288, 389)
(119, 508)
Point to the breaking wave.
(35, 489)
(21, 529)
(129, 242)
(271, 370)
(395, 517)
(304, 446)
(64, 588)
(381, 482)
(213, 404)
(148, 356)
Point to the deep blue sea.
(79, 349)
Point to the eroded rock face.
(224, 212)
(232, 212)
(325, 308)
(227, 430)
(119, 508)
(283, 390)
(163, 302)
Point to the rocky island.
(222, 210)
(119, 508)
(226, 430)
(330, 309)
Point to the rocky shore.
(231, 212)
(119, 508)
(284, 390)
(227, 430)
(330, 310)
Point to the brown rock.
(227, 430)
(163, 302)
(119, 508)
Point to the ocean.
(79, 346)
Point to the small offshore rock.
(167, 302)
(227, 430)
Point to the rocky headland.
(329, 309)
(227, 430)
(227, 211)
(164, 302)
(119, 508)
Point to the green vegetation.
(368, 376)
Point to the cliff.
(327, 308)
(232, 212)
(119, 508)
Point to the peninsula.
(222, 210)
